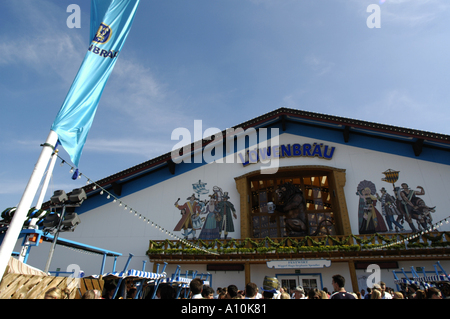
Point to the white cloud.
(401, 108)
(318, 65)
(45, 48)
(146, 104)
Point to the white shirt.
(387, 296)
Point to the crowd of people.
(270, 289)
(378, 291)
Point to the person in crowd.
(314, 294)
(376, 294)
(411, 291)
(420, 294)
(251, 291)
(363, 293)
(338, 282)
(368, 295)
(218, 292)
(109, 290)
(324, 295)
(267, 295)
(398, 295)
(222, 295)
(434, 293)
(57, 293)
(384, 293)
(271, 285)
(285, 295)
(233, 292)
(166, 291)
(92, 294)
(196, 286)
(299, 293)
(207, 292)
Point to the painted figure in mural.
(293, 208)
(212, 216)
(389, 209)
(218, 193)
(370, 219)
(211, 226)
(413, 207)
(190, 212)
(226, 212)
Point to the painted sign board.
(297, 264)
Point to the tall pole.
(26, 247)
(55, 239)
(47, 179)
(26, 201)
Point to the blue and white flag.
(111, 22)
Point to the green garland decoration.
(303, 244)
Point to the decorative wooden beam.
(117, 188)
(283, 123)
(418, 146)
(172, 166)
(346, 133)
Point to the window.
(319, 211)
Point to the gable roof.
(283, 116)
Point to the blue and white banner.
(111, 21)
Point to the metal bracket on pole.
(55, 239)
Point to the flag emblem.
(391, 176)
(103, 34)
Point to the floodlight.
(77, 196)
(59, 197)
(51, 220)
(67, 221)
(71, 220)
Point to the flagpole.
(40, 200)
(47, 179)
(26, 201)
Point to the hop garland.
(304, 244)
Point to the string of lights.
(433, 227)
(132, 211)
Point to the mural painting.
(403, 205)
(212, 218)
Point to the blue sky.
(223, 62)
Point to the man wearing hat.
(299, 293)
(188, 211)
(271, 288)
(227, 212)
(389, 209)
